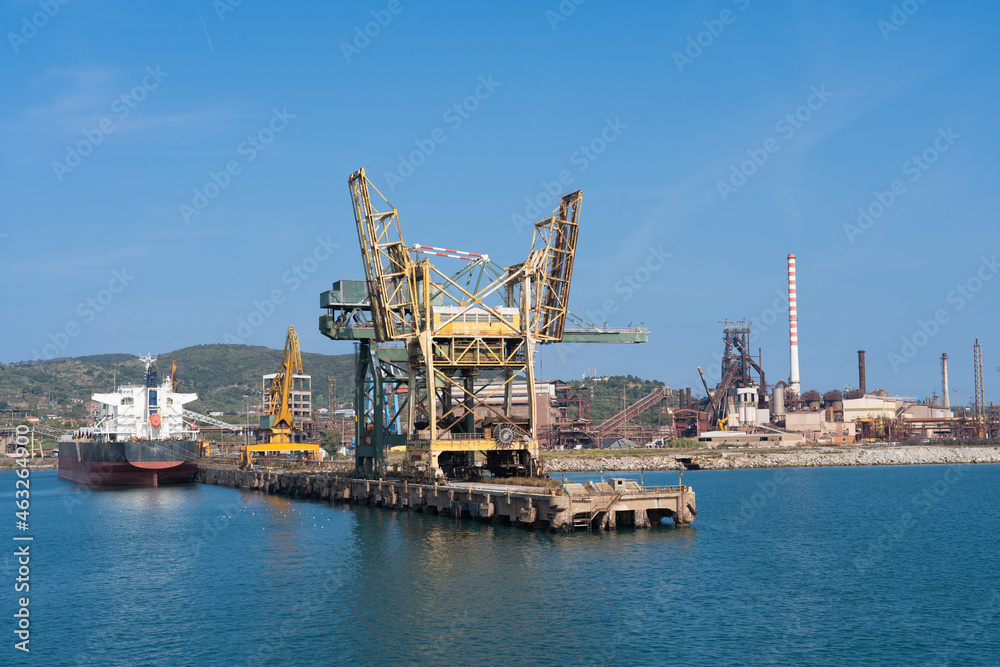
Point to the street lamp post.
(246, 419)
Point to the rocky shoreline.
(36, 463)
(805, 457)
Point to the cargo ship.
(139, 438)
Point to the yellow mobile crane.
(278, 426)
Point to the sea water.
(829, 566)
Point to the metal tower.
(738, 369)
(979, 410)
(944, 379)
(484, 320)
(455, 346)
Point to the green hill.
(610, 394)
(220, 374)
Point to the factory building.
(745, 406)
(741, 439)
(871, 406)
(814, 428)
(301, 395)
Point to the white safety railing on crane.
(448, 252)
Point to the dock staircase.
(585, 520)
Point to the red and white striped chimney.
(793, 329)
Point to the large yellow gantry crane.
(453, 346)
(278, 425)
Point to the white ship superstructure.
(144, 412)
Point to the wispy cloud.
(80, 266)
(82, 96)
(84, 89)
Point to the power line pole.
(246, 419)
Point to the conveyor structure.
(452, 345)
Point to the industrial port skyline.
(230, 206)
(775, 320)
(400, 332)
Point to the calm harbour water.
(800, 566)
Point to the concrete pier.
(618, 503)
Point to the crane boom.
(387, 260)
(556, 239)
(281, 420)
(703, 382)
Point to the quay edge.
(619, 503)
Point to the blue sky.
(114, 114)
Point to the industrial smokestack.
(861, 372)
(793, 329)
(944, 379)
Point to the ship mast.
(152, 405)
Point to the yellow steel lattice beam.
(388, 265)
(556, 238)
(282, 422)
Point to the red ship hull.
(129, 464)
(126, 474)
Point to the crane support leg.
(367, 427)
